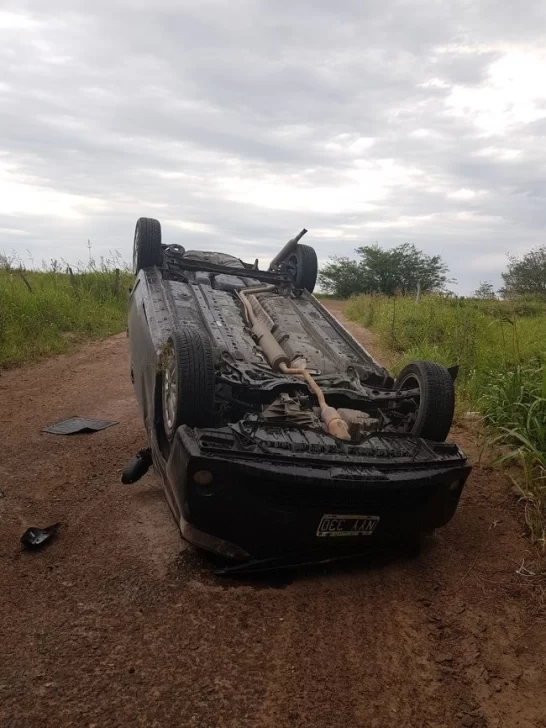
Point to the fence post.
(418, 296)
(74, 282)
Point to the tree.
(400, 269)
(342, 277)
(526, 274)
(485, 291)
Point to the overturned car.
(278, 438)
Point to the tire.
(187, 381)
(303, 266)
(147, 244)
(436, 403)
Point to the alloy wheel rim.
(170, 389)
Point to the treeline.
(405, 270)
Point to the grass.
(501, 349)
(514, 405)
(46, 312)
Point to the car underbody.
(278, 437)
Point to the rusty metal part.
(358, 422)
(279, 361)
(335, 425)
(250, 315)
(361, 420)
(274, 352)
(286, 250)
(261, 313)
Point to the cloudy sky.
(238, 122)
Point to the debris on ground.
(74, 425)
(137, 466)
(35, 538)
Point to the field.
(501, 349)
(45, 312)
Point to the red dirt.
(119, 623)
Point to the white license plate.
(333, 525)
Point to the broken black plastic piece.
(453, 371)
(293, 561)
(35, 538)
(137, 466)
(78, 424)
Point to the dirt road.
(118, 623)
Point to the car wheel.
(302, 265)
(187, 388)
(147, 244)
(434, 403)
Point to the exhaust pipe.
(329, 415)
(279, 361)
(288, 248)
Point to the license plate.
(334, 526)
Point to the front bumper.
(264, 505)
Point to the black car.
(278, 438)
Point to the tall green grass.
(514, 404)
(45, 312)
(501, 349)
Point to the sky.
(238, 122)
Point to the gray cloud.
(236, 123)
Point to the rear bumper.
(263, 507)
